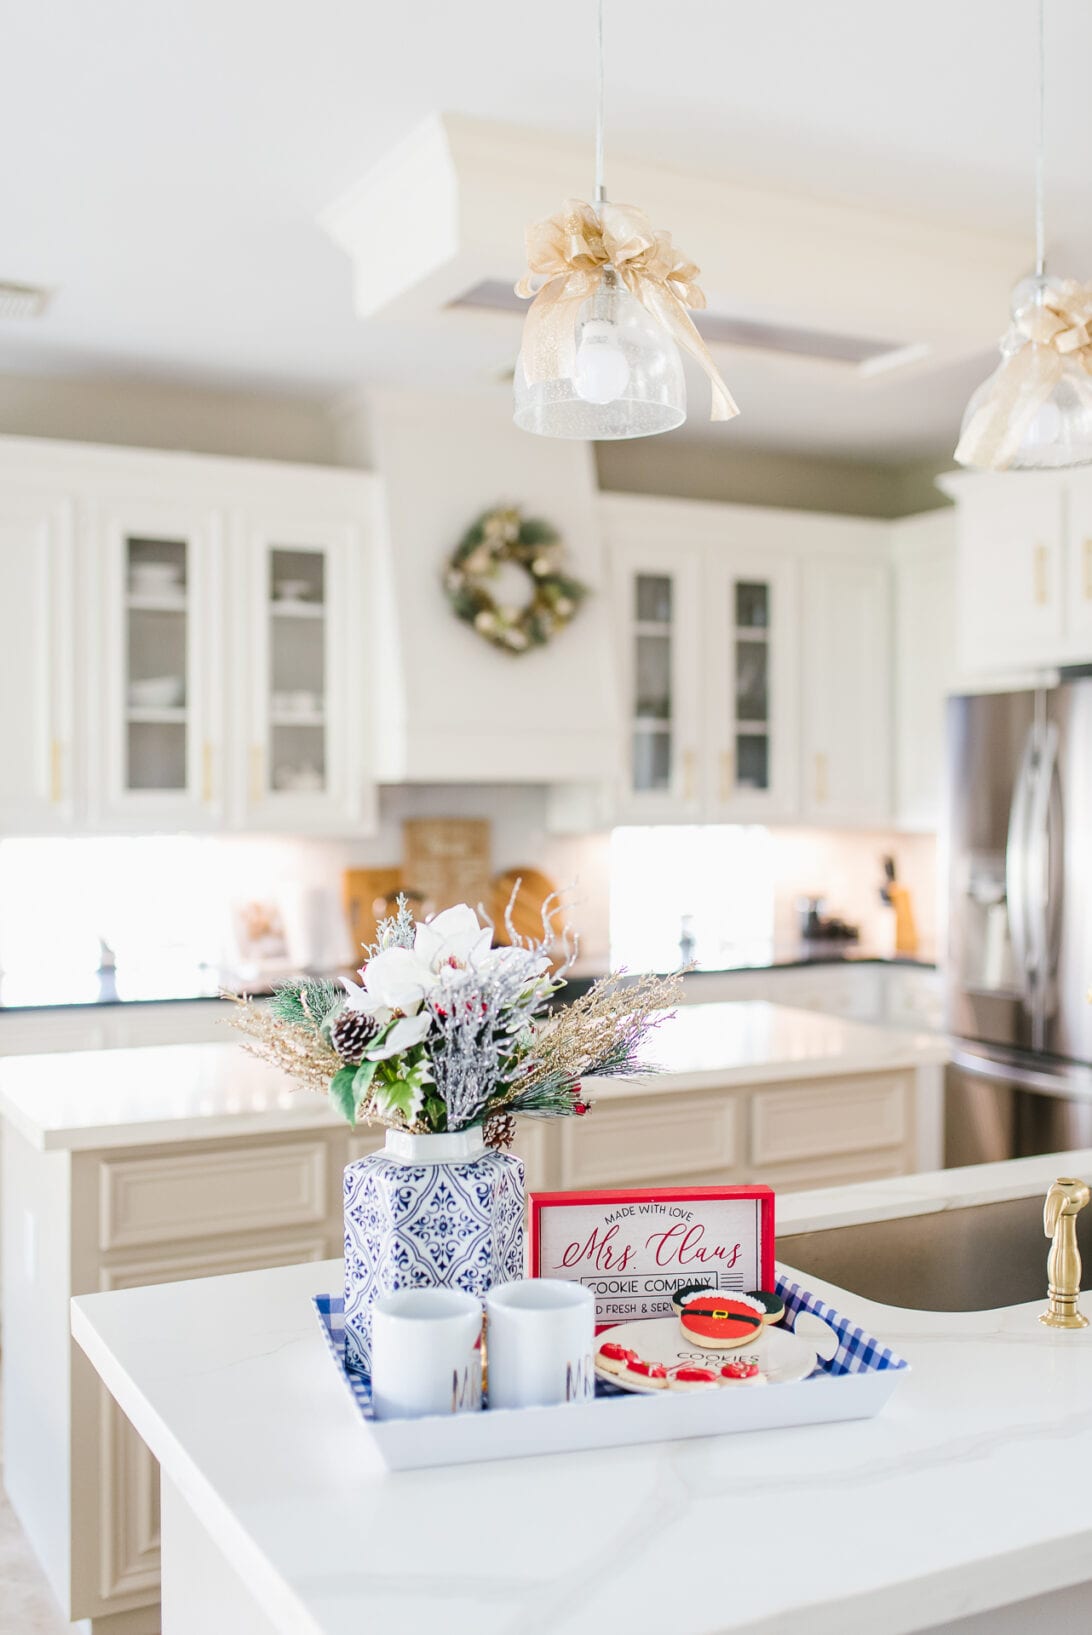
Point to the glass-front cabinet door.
(157, 726)
(658, 595)
(308, 719)
(750, 614)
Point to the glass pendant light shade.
(1057, 433)
(623, 376)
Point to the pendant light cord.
(600, 118)
(1040, 209)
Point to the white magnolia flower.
(399, 979)
(406, 1032)
(359, 1000)
(453, 938)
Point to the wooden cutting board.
(446, 860)
(368, 895)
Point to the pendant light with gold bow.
(600, 353)
(1034, 412)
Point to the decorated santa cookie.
(741, 1373)
(691, 1378)
(649, 1374)
(614, 1358)
(688, 1292)
(772, 1304)
(721, 1322)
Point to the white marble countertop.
(112, 1098)
(942, 1506)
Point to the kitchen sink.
(974, 1259)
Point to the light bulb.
(602, 369)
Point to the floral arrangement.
(445, 1031)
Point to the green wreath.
(503, 535)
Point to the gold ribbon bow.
(1045, 339)
(571, 250)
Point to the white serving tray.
(854, 1382)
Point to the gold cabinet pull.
(56, 771)
(206, 772)
(1041, 556)
(727, 770)
(689, 762)
(820, 778)
(256, 786)
(1088, 569)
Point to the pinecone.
(351, 1032)
(499, 1131)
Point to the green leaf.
(435, 1114)
(400, 1083)
(362, 1080)
(342, 1094)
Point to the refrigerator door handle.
(1016, 864)
(1044, 874)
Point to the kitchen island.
(951, 1510)
(155, 1166)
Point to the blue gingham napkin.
(857, 1353)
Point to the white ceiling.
(166, 160)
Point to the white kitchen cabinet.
(846, 670)
(165, 682)
(1077, 585)
(300, 675)
(707, 635)
(925, 666)
(751, 625)
(658, 594)
(155, 705)
(1010, 570)
(37, 674)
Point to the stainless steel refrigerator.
(1018, 844)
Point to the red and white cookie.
(614, 1358)
(651, 1375)
(741, 1373)
(690, 1378)
(721, 1322)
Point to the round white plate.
(779, 1354)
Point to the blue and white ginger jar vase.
(428, 1211)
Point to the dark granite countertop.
(181, 985)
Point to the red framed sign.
(633, 1249)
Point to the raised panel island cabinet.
(164, 1164)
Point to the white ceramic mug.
(426, 1353)
(541, 1333)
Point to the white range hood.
(447, 706)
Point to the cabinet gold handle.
(689, 762)
(727, 766)
(1041, 555)
(820, 777)
(256, 789)
(206, 772)
(1088, 569)
(56, 771)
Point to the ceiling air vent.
(22, 300)
(864, 353)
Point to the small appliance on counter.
(817, 926)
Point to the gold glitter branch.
(602, 1031)
(296, 1050)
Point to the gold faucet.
(1064, 1202)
